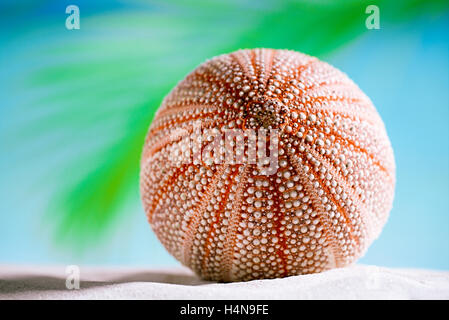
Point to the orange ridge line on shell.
(192, 223)
(323, 84)
(324, 159)
(168, 111)
(170, 123)
(341, 180)
(268, 67)
(337, 204)
(321, 182)
(346, 142)
(308, 188)
(278, 225)
(229, 245)
(217, 218)
(326, 111)
(170, 140)
(238, 58)
(346, 114)
(176, 173)
(301, 68)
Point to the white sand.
(356, 282)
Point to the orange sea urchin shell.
(321, 208)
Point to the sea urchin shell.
(327, 198)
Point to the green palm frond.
(96, 89)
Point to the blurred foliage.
(91, 93)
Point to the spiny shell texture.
(328, 198)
